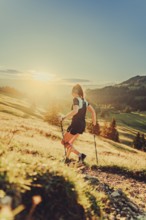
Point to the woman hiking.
(78, 124)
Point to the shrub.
(52, 115)
(110, 131)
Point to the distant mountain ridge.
(135, 81)
(130, 93)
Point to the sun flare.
(43, 77)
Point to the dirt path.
(126, 194)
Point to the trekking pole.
(94, 136)
(62, 131)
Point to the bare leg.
(68, 142)
(71, 142)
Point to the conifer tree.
(113, 124)
(137, 142)
(143, 142)
(113, 134)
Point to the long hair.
(78, 89)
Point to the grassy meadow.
(31, 164)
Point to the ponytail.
(78, 89)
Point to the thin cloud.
(14, 74)
(75, 80)
(10, 71)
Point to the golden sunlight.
(45, 77)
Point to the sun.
(43, 77)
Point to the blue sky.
(96, 41)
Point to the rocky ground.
(126, 193)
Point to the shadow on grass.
(59, 199)
(137, 175)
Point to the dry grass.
(34, 149)
(34, 134)
(30, 144)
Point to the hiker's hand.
(94, 128)
(94, 123)
(61, 118)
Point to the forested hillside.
(129, 94)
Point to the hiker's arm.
(91, 109)
(72, 113)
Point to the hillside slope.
(35, 147)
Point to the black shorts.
(76, 128)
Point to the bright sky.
(95, 41)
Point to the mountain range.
(136, 81)
(128, 94)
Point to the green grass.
(133, 120)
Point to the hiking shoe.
(82, 157)
(67, 161)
